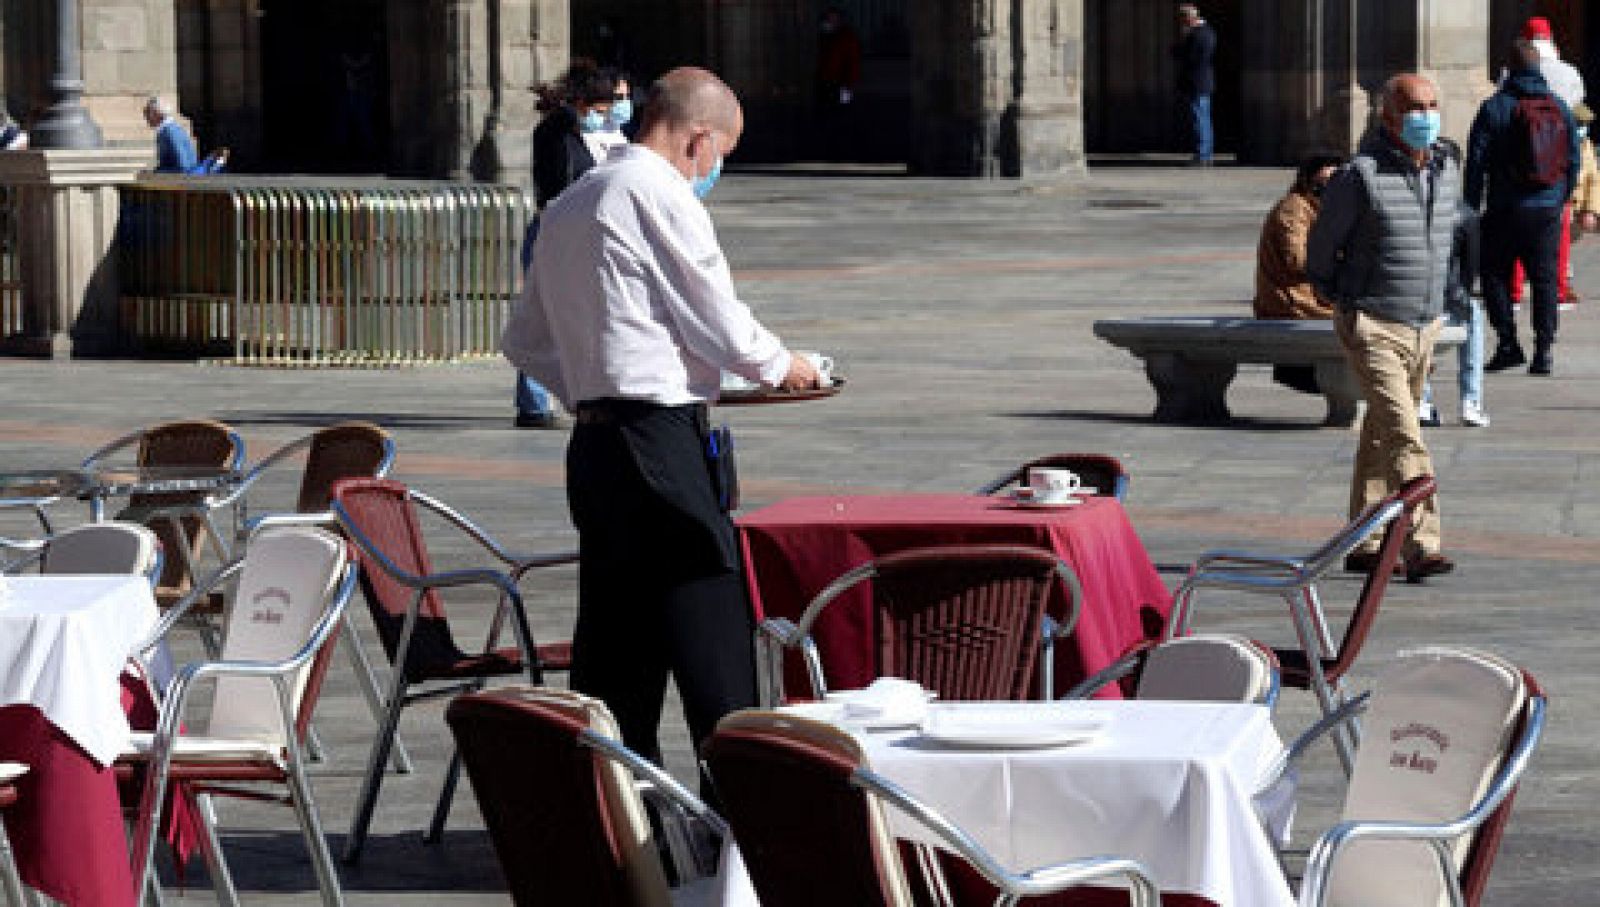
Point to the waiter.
(630, 317)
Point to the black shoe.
(1366, 562)
(539, 420)
(1423, 566)
(1505, 357)
(1543, 363)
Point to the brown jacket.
(1586, 198)
(1282, 288)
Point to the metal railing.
(303, 271)
(11, 317)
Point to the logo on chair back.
(268, 605)
(1421, 735)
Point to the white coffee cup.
(823, 365)
(1053, 483)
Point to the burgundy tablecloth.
(793, 548)
(66, 826)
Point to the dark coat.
(1192, 53)
(559, 154)
(1489, 156)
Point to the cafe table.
(792, 549)
(64, 641)
(1170, 784)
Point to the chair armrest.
(1250, 559)
(781, 629)
(1106, 676)
(522, 563)
(322, 519)
(255, 472)
(1279, 767)
(110, 447)
(1039, 881)
(175, 613)
(473, 530)
(998, 482)
(658, 779)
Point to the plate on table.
(1013, 726)
(834, 713)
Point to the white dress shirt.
(629, 295)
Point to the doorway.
(325, 86)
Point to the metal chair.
(1430, 796)
(1317, 664)
(346, 450)
(1102, 472)
(10, 881)
(561, 798)
(965, 621)
(1205, 667)
(402, 592)
(183, 521)
(809, 819)
(293, 586)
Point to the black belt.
(613, 410)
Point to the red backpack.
(1540, 146)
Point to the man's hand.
(1589, 221)
(802, 376)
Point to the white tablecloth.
(63, 643)
(1168, 784)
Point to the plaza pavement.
(961, 313)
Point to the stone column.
(129, 52)
(1049, 78)
(66, 123)
(67, 216)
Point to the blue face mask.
(1419, 129)
(702, 184)
(593, 121)
(621, 113)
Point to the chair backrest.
(289, 581)
(1410, 496)
(963, 620)
(567, 822)
(808, 835)
(1209, 667)
(111, 547)
(1439, 727)
(346, 450)
(381, 519)
(1102, 472)
(189, 442)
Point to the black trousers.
(659, 589)
(1532, 236)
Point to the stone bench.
(1191, 360)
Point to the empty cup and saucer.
(1051, 487)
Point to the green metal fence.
(307, 272)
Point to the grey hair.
(159, 105)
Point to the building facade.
(988, 88)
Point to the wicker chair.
(1316, 664)
(562, 799)
(403, 596)
(1102, 472)
(808, 816)
(966, 621)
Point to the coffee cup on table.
(1053, 484)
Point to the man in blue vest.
(174, 149)
(1380, 252)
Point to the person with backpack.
(1522, 165)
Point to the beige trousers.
(1391, 361)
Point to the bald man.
(1380, 252)
(630, 317)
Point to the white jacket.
(1563, 78)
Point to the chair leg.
(441, 810)
(16, 893)
(367, 679)
(315, 751)
(211, 850)
(375, 772)
(305, 807)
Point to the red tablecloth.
(66, 826)
(793, 548)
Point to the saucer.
(1025, 497)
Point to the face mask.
(593, 121)
(1583, 132)
(1419, 129)
(621, 113)
(702, 184)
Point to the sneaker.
(1543, 363)
(1472, 415)
(1569, 301)
(1428, 415)
(1516, 305)
(1365, 561)
(1423, 566)
(1505, 357)
(539, 420)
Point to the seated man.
(1282, 288)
